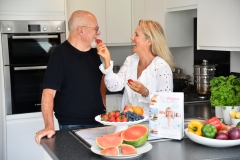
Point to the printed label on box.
(166, 115)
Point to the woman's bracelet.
(145, 93)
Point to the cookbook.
(166, 115)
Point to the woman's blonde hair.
(171, 111)
(154, 31)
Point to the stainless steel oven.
(27, 46)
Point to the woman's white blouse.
(157, 77)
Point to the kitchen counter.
(64, 146)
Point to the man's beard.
(94, 44)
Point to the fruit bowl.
(235, 121)
(120, 125)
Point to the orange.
(138, 110)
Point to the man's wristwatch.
(145, 93)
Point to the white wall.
(184, 58)
(235, 62)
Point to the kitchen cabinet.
(148, 9)
(218, 25)
(113, 102)
(98, 8)
(179, 28)
(178, 5)
(114, 18)
(32, 10)
(20, 132)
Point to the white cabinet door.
(20, 139)
(148, 10)
(218, 25)
(118, 20)
(178, 5)
(32, 10)
(93, 6)
(21, 130)
(111, 102)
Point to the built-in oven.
(27, 46)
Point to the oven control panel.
(33, 26)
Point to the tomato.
(130, 80)
(98, 41)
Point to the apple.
(128, 107)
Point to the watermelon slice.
(109, 141)
(112, 151)
(117, 134)
(135, 135)
(128, 149)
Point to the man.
(73, 80)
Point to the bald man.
(73, 86)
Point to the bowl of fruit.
(129, 116)
(235, 117)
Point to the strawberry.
(118, 119)
(112, 119)
(98, 41)
(104, 118)
(117, 113)
(130, 80)
(124, 118)
(111, 114)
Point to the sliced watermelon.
(111, 151)
(135, 135)
(118, 134)
(109, 141)
(128, 149)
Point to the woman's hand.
(137, 87)
(104, 53)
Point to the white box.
(166, 115)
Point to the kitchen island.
(64, 146)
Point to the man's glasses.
(94, 28)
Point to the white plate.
(140, 150)
(98, 118)
(211, 142)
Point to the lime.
(232, 114)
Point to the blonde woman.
(149, 67)
(168, 121)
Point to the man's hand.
(42, 133)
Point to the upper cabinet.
(218, 25)
(178, 5)
(114, 18)
(32, 10)
(179, 28)
(96, 7)
(148, 10)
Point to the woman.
(149, 67)
(169, 121)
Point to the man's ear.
(80, 30)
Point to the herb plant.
(225, 91)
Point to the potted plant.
(225, 93)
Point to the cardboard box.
(166, 115)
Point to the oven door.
(29, 49)
(23, 88)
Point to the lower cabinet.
(21, 130)
(114, 102)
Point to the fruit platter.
(129, 116)
(130, 143)
(213, 133)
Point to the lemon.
(238, 115)
(232, 114)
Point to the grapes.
(132, 116)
